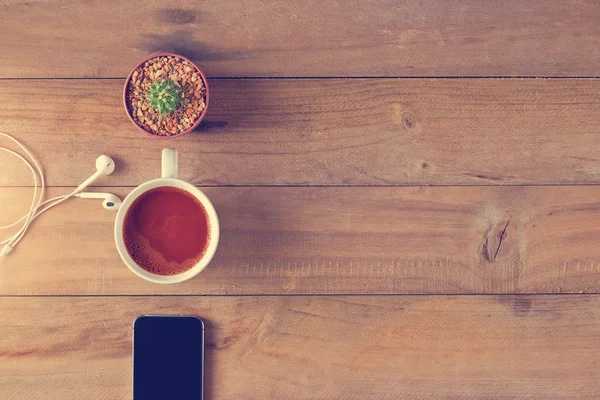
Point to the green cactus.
(164, 96)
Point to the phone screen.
(168, 358)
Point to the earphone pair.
(104, 166)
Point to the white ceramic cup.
(169, 178)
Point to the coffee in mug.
(166, 230)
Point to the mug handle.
(169, 163)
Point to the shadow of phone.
(209, 351)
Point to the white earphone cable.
(36, 214)
(36, 203)
(34, 181)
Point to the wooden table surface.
(408, 194)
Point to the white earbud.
(104, 166)
(111, 202)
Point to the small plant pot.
(174, 123)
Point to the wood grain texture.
(334, 240)
(321, 132)
(306, 38)
(418, 348)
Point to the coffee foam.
(151, 260)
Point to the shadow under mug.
(168, 178)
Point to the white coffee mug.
(169, 178)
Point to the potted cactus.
(166, 95)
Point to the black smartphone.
(168, 358)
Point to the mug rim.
(212, 218)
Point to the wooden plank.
(334, 240)
(336, 38)
(492, 347)
(322, 132)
